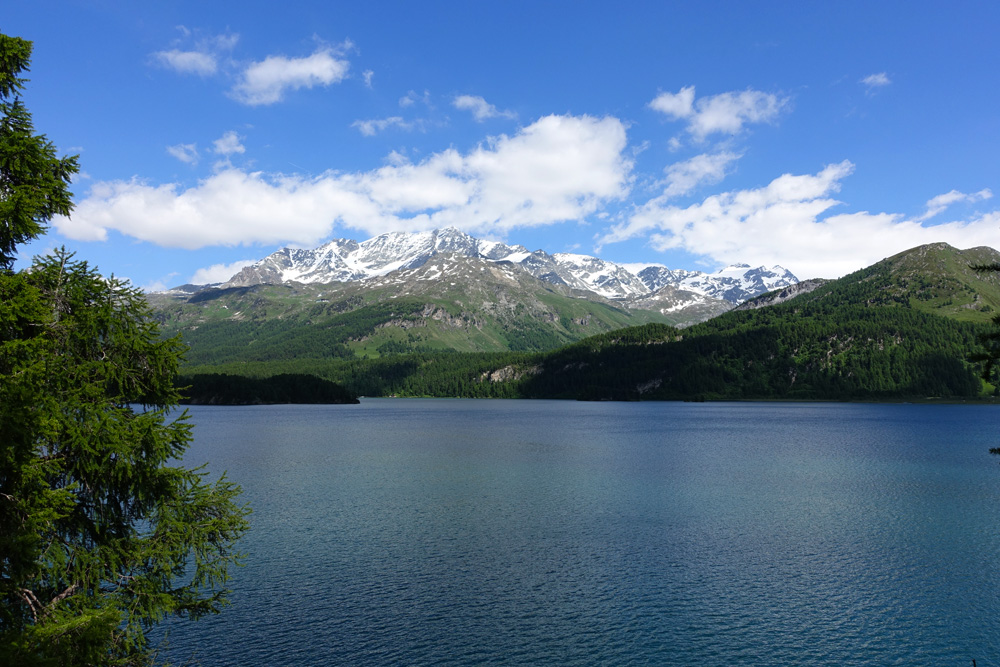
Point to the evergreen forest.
(906, 328)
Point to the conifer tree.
(990, 356)
(102, 534)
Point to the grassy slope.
(901, 328)
(488, 309)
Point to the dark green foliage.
(33, 181)
(466, 375)
(270, 340)
(848, 340)
(224, 389)
(101, 534)
(791, 351)
(863, 337)
(990, 354)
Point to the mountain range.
(636, 286)
(905, 327)
(435, 291)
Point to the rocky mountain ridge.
(345, 260)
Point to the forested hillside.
(224, 389)
(904, 328)
(481, 307)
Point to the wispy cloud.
(480, 108)
(413, 97)
(725, 113)
(371, 127)
(873, 82)
(706, 169)
(938, 204)
(189, 62)
(268, 81)
(202, 58)
(160, 284)
(186, 153)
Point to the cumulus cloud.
(725, 113)
(186, 153)
(202, 59)
(228, 144)
(267, 81)
(480, 108)
(941, 202)
(557, 169)
(219, 273)
(875, 81)
(787, 222)
(676, 105)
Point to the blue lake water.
(453, 532)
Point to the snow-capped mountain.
(738, 282)
(344, 260)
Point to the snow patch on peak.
(343, 260)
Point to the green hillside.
(904, 328)
(482, 307)
(936, 279)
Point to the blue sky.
(818, 136)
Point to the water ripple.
(543, 533)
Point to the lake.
(454, 532)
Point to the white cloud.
(228, 144)
(413, 97)
(725, 113)
(706, 169)
(873, 81)
(189, 62)
(786, 223)
(557, 169)
(158, 285)
(480, 108)
(186, 153)
(941, 202)
(368, 75)
(679, 105)
(203, 59)
(370, 128)
(266, 82)
(219, 273)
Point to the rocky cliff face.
(779, 296)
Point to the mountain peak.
(344, 260)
